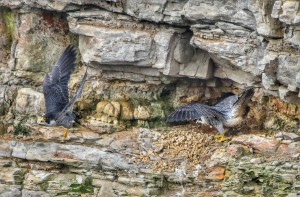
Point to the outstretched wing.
(69, 107)
(55, 85)
(226, 104)
(193, 112)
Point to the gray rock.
(289, 11)
(29, 193)
(29, 101)
(200, 66)
(289, 136)
(145, 10)
(231, 11)
(73, 155)
(10, 190)
(2, 99)
(288, 68)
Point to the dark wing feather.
(62, 69)
(226, 104)
(193, 112)
(55, 85)
(69, 107)
(54, 98)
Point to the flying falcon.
(59, 109)
(229, 112)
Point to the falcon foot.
(66, 133)
(221, 138)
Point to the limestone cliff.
(146, 57)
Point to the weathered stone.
(267, 81)
(288, 136)
(200, 66)
(29, 101)
(216, 174)
(236, 150)
(101, 105)
(126, 111)
(12, 176)
(2, 99)
(153, 12)
(106, 190)
(29, 193)
(287, 69)
(6, 148)
(10, 190)
(289, 149)
(219, 158)
(142, 112)
(105, 142)
(289, 10)
(40, 45)
(257, 143)
(196, 10)
(71, 154)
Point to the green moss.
(9, 20)
(21, 130)
(83, 188)
(259, 179)
(2, 129)
(265, 99)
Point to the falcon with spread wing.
(228, 112)
(59, 109)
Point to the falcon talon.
(228, 112)
(220, 138)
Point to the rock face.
(146, 57)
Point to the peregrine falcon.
(59, 109)
(228, 112)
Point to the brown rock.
(100, 106)
(110, 108)
(289, 149)
(216, 174)
(85, 105)
(126, 111)
(142, 113)
(236, 150)
(257, 143)
(116, 109)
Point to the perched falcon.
(59, 109)
(229, 112)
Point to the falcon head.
(47, 119)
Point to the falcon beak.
(43, 119)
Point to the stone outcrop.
(144, 58)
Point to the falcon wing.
(226, 104)
(193, 112)
(55, 85)
(237, 102)
(69, 106)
